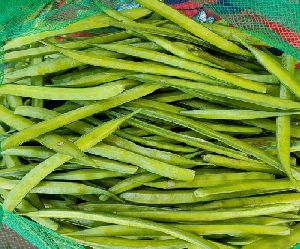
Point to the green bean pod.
(121, 220)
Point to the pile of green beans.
(164, 134)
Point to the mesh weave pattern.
(277, 22)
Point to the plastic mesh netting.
(277, 22)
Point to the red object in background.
(286, 34)
(60, 3)
(297, 66)
(188, 8)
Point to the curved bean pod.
(121, 220)
(55, 93)
(45, 126)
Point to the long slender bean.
(240, 164)
(117, 230)
(121, 220)
(25, 206)
(96, 21)
(44, 50)
(272, 241)
(185, 64)
(270, 125)
(51, 140)
(256, 98)
(47, 166)
(193, 141)
(192, 26)
(153, 68)
(247, 188)
(82, 127)
(55, 93)
(84, 78)
(122, 243)
(52, 66)
(210, 215)
(151, 165)
(234, 114)
(45, 126)
(160, 155)
(283, 127)
(293, 198)
(159, 145)
(205, 130)
(133, 182)
(275, 68)
(205, 180)
(227, 64)
(84, 174)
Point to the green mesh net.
(276, 22)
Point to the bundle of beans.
(163, 134)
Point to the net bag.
(275, 22)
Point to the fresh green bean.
(97, 162)
(54, 93)
(113, 207)
(177, 50)
(202, 105)
(52, 140)
(123, 243)
(133, 182)
(51, 66)
(206, 180)
(230, 34)
(170, 97)
(84, 78)
(227, 101)
(47, 166)
(96, 21)
(159, 155)
(148, 28)
(227, 64)
(84, 174)
(117, 230)
(275, 68)
(265, 78)
(55, 187)
(240, 164)
(192, 26)
(205, 130)
(45, 126)
(115, 219)
(193, 141)
(233, 114)
(147, 163)
(25, 206)
(270, 125)
(82, 127)
(256, 98)
(110, 62)
(283, 127)
(247, 188)
(292, 198)
(160, 197)
(159, 145)
(155, 104)
(270, 242)
(188, 65)
(210, 215)
(14, 101)
(44, 50)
